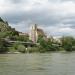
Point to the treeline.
(66, 43)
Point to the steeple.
(34, 27)
(33, 33)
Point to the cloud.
(17, 1)
(68, 0)
(56, 17)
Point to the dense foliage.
(3, 46)
(68, 43)
(5, 32)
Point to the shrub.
(3, 46)
(61, 49)
(32, 49)
(21, 48)
(11, 49)
(41, 49)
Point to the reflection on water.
(37, 64)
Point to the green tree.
(3, 46)
(21, 48)
(67, 42)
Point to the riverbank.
(39, 52)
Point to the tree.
(3, 46)
(67, 42)
(47, 45)
(21, 48)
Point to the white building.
(35, 33)
(33, 36)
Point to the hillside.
(6, 29)
(4, 26)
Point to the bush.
(41, 49)
(11, 49)
(21, 48)
(61, 49)
(17, 47)
(32, 49)
(3, 46)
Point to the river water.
(38, 64)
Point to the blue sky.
(56, 17)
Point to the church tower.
(33, 33)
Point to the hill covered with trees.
(7, 33)
(6, 30)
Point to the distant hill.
(4, 27)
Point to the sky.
(55, 17)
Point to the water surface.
(37, 64)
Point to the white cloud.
(55, 16)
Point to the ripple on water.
(38, 64)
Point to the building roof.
(20, 33)
(40, 32)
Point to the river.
(38, 64)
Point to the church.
(35, 32)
